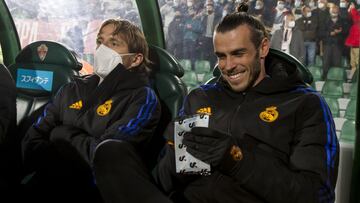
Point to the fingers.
(205, 157)
(197, 146)
(196, 138)
(208, 132)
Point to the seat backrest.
(333, 89)
(190, 78)
(40, 69)
(336, 73)
(279, 56)
(202, 66)
(334, 106)
(318, 60)
(316, 72)
(166, 74)
(186, 64)
(348, 132)
(353, 90)
(350, 112)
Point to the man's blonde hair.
(133, 36)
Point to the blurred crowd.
(306, 29)
(303, 28)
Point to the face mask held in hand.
(106, 59)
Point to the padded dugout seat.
(40, 69)
(171, 90)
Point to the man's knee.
(113, 150)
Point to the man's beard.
(255, 71)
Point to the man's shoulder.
(206, 89)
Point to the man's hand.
(208, 145)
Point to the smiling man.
(270, 137)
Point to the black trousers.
(122, 176)
(62, 175)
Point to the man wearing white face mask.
(289, 39)
(308, 25)
(333, 40)
(115, 103)
(278, 15)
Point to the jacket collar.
(120, 79)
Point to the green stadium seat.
(333, 105)
(39, 71)
(202, 67)
(353, 90)
(47, 72)
(186, 64)
(350, 112)
(345, 62)
(207, 77)
(348, 131)
(318, 60)
(336, 73)
(355, 76)
(190, 78)
(333, 89)
(316, 72)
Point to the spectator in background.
(312, 4)
(353, 39)
(323, 15)
(74, 38)
(175, 38)
(209, 19)
(180, 5)
(131, 13)
(289, 39)
(346, 19)
(192, 32)
(297, 10)
(308, 25)
(167, 14)
(333, 40)
(278, 16)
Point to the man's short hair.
(133, 36)
(240, 17)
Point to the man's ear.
(137, 60)
(264, 48)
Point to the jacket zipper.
(233, 116)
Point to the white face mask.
(297, 4)
(105, 60)
(189, 4)
(291, 24)
(311, 4)
(308, 15)
(258, 6)
(281, 6)
(342, 4)
(321, 5)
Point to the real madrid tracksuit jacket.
(82, 113)
(287, 136)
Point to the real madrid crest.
(269, 115)
(105, 108)
(42, 51)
